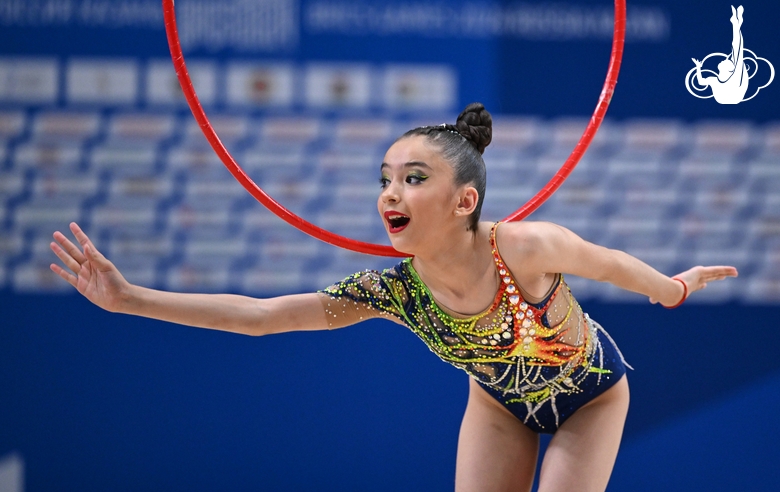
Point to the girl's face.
(419, 198)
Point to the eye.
(415, 178)
(383, 182)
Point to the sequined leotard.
(541, 361)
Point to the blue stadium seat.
(62, 125)
(761, 288)
(364, 133)
(198, 278)
(46, 216)
(134, 218)
(125, 157)
(647, 138)
(11, 245)
(37, 277)
(191, 159)
(217, 252)
(721, 139)
(269, 163)
(262, 281)
(518, 133)
(230, 129)
(12, 185)
(337, 167)
(41, 155)
(201, 216)
(502, 201)
(298, 130)
(77, 188)
(12, 124)
(141, 127)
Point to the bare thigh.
(496, 452)
(583, 450)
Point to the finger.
(81, 237)
(100, 261)
(62, 273)
(67, 259)
(719, 272)
(68, 246)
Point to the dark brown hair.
(462, 145)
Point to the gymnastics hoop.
(608, 89)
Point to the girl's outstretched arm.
(544, 247)
(97, 279)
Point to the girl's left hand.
(698, 277)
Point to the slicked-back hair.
(462, 145)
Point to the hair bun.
(476, 126)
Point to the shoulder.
(525, 236)
(524, 244)
(368, 283)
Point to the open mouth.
(396, 221)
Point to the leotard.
(542, 361)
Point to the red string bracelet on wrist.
(685, 293)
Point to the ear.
(467, 202)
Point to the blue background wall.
(95, 401)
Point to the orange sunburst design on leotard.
(533, 340)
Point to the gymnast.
(489, 298)
(731, 84)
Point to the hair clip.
(443, 126)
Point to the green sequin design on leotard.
(529, 351)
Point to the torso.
(529, 352)
(484, 281)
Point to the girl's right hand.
(92, 275)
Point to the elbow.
(253, 321)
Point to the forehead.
(413, 149)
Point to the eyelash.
(384, 181)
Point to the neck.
(454, 267)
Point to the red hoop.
(607, 90)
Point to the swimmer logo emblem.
(730, 83)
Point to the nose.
(389, 194)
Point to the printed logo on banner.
(338, 86)
(28, 80)
(102, 81)
(420, 87)
(729, 85)
(263, 85)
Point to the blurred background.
(308, 95)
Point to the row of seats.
(272, 245)
(158, 202)
(514, 132)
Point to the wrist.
(129, 299)
(684, 294)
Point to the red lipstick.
(396, 221)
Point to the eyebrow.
(410, 164)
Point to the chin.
(401, 244)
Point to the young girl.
(488, 298)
